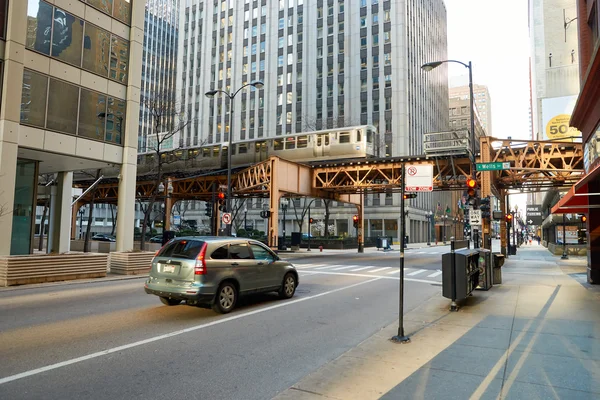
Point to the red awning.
(577, 199)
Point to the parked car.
(215, 271)
(156, 239)
(101, 237)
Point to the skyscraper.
(324, 63)
(483, 103)
(159, 61)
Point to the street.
(108, 339)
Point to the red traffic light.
(583, 218)
(509, 217)
(310, 221)
(355, 218)
(471, 183)
(221, 196)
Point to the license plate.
(168, 268)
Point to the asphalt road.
(109, 340)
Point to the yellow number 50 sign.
(558, 128)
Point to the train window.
(319, 140)
(369, 136)
(205, 152)
(302, 142)
(326, 139)
(215, 151)
(290, 143)
(358, 136)
(260, 146)
(277, 144)
(233, 149)
(344, 137)
(243, 148)
(179, 154)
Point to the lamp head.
(431, 65)
(258, 84)
(211, 94)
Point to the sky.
(494, 36)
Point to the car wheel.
(225, 299)
(288, 287)
(169, 302)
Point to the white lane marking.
(434, 274)
(394, 272)
(360, 269)
(306, 266)
(417, 272)
(379, 269)
(175, 333)
(349, 266)
(380, 277)
(328, 266)
(421, 252)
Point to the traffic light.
(311, 220)
(221, 200)
(508, 218)
(410, 196)
(355, 221)
(582, 218)
(208, 211)
(484, 206)
(471, 191)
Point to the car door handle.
(261, 263)
(234, 264)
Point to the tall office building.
(324, 63)
(483, 103)
(159, 62)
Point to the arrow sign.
(530, 222)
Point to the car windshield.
(187, 249)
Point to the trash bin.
(405, 240)
(498, 263)
(484, 263)
(378, 243)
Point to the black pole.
(283, 240)
(565, 256)
(507, 228)
(400, 338)
(309, 230)
(445, 228)
(514, 228)
(428, 229)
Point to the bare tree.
(167, 119)
(86, 242)
(327, 204)
(300, 211)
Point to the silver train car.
(330, 144)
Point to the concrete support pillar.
(126, 205)
(593, 235)
(8, 169)
(51, 218)
(60, 228)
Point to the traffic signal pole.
(400, 337)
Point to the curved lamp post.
(431, 65)
(211, 94)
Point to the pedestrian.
(539, 240)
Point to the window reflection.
(119, 54)
(122, 10)
(3, 14)
(115, 116)
(33, 98)
(39, 26)
(62, 107)
(96, 47)
(102, 5)
(91, 122)
(67, 36)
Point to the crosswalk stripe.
(306, 266)
(379, 269)
(346, 267)
(421, 252)
(434, 274)
(328, 266)
(394, 272)
(360, 269)
(417, 272)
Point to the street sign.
(493, 166)
(419, 178)
(534, 214)
(177, 220)
(226, 218)
(475, 217)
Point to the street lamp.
(431, 65)
(429, 216)
(284, 206)
(211, 94)
(169, 192)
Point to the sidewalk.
(536, 336)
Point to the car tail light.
(200, 268)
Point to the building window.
(62, 106)
(33, 99)
(3, 15)
(67, 37)
(92, 104)
(39, 26)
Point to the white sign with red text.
(419, 178)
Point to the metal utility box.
(466, 275)
(485, 269)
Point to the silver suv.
(215, 271)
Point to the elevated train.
(329, 144)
